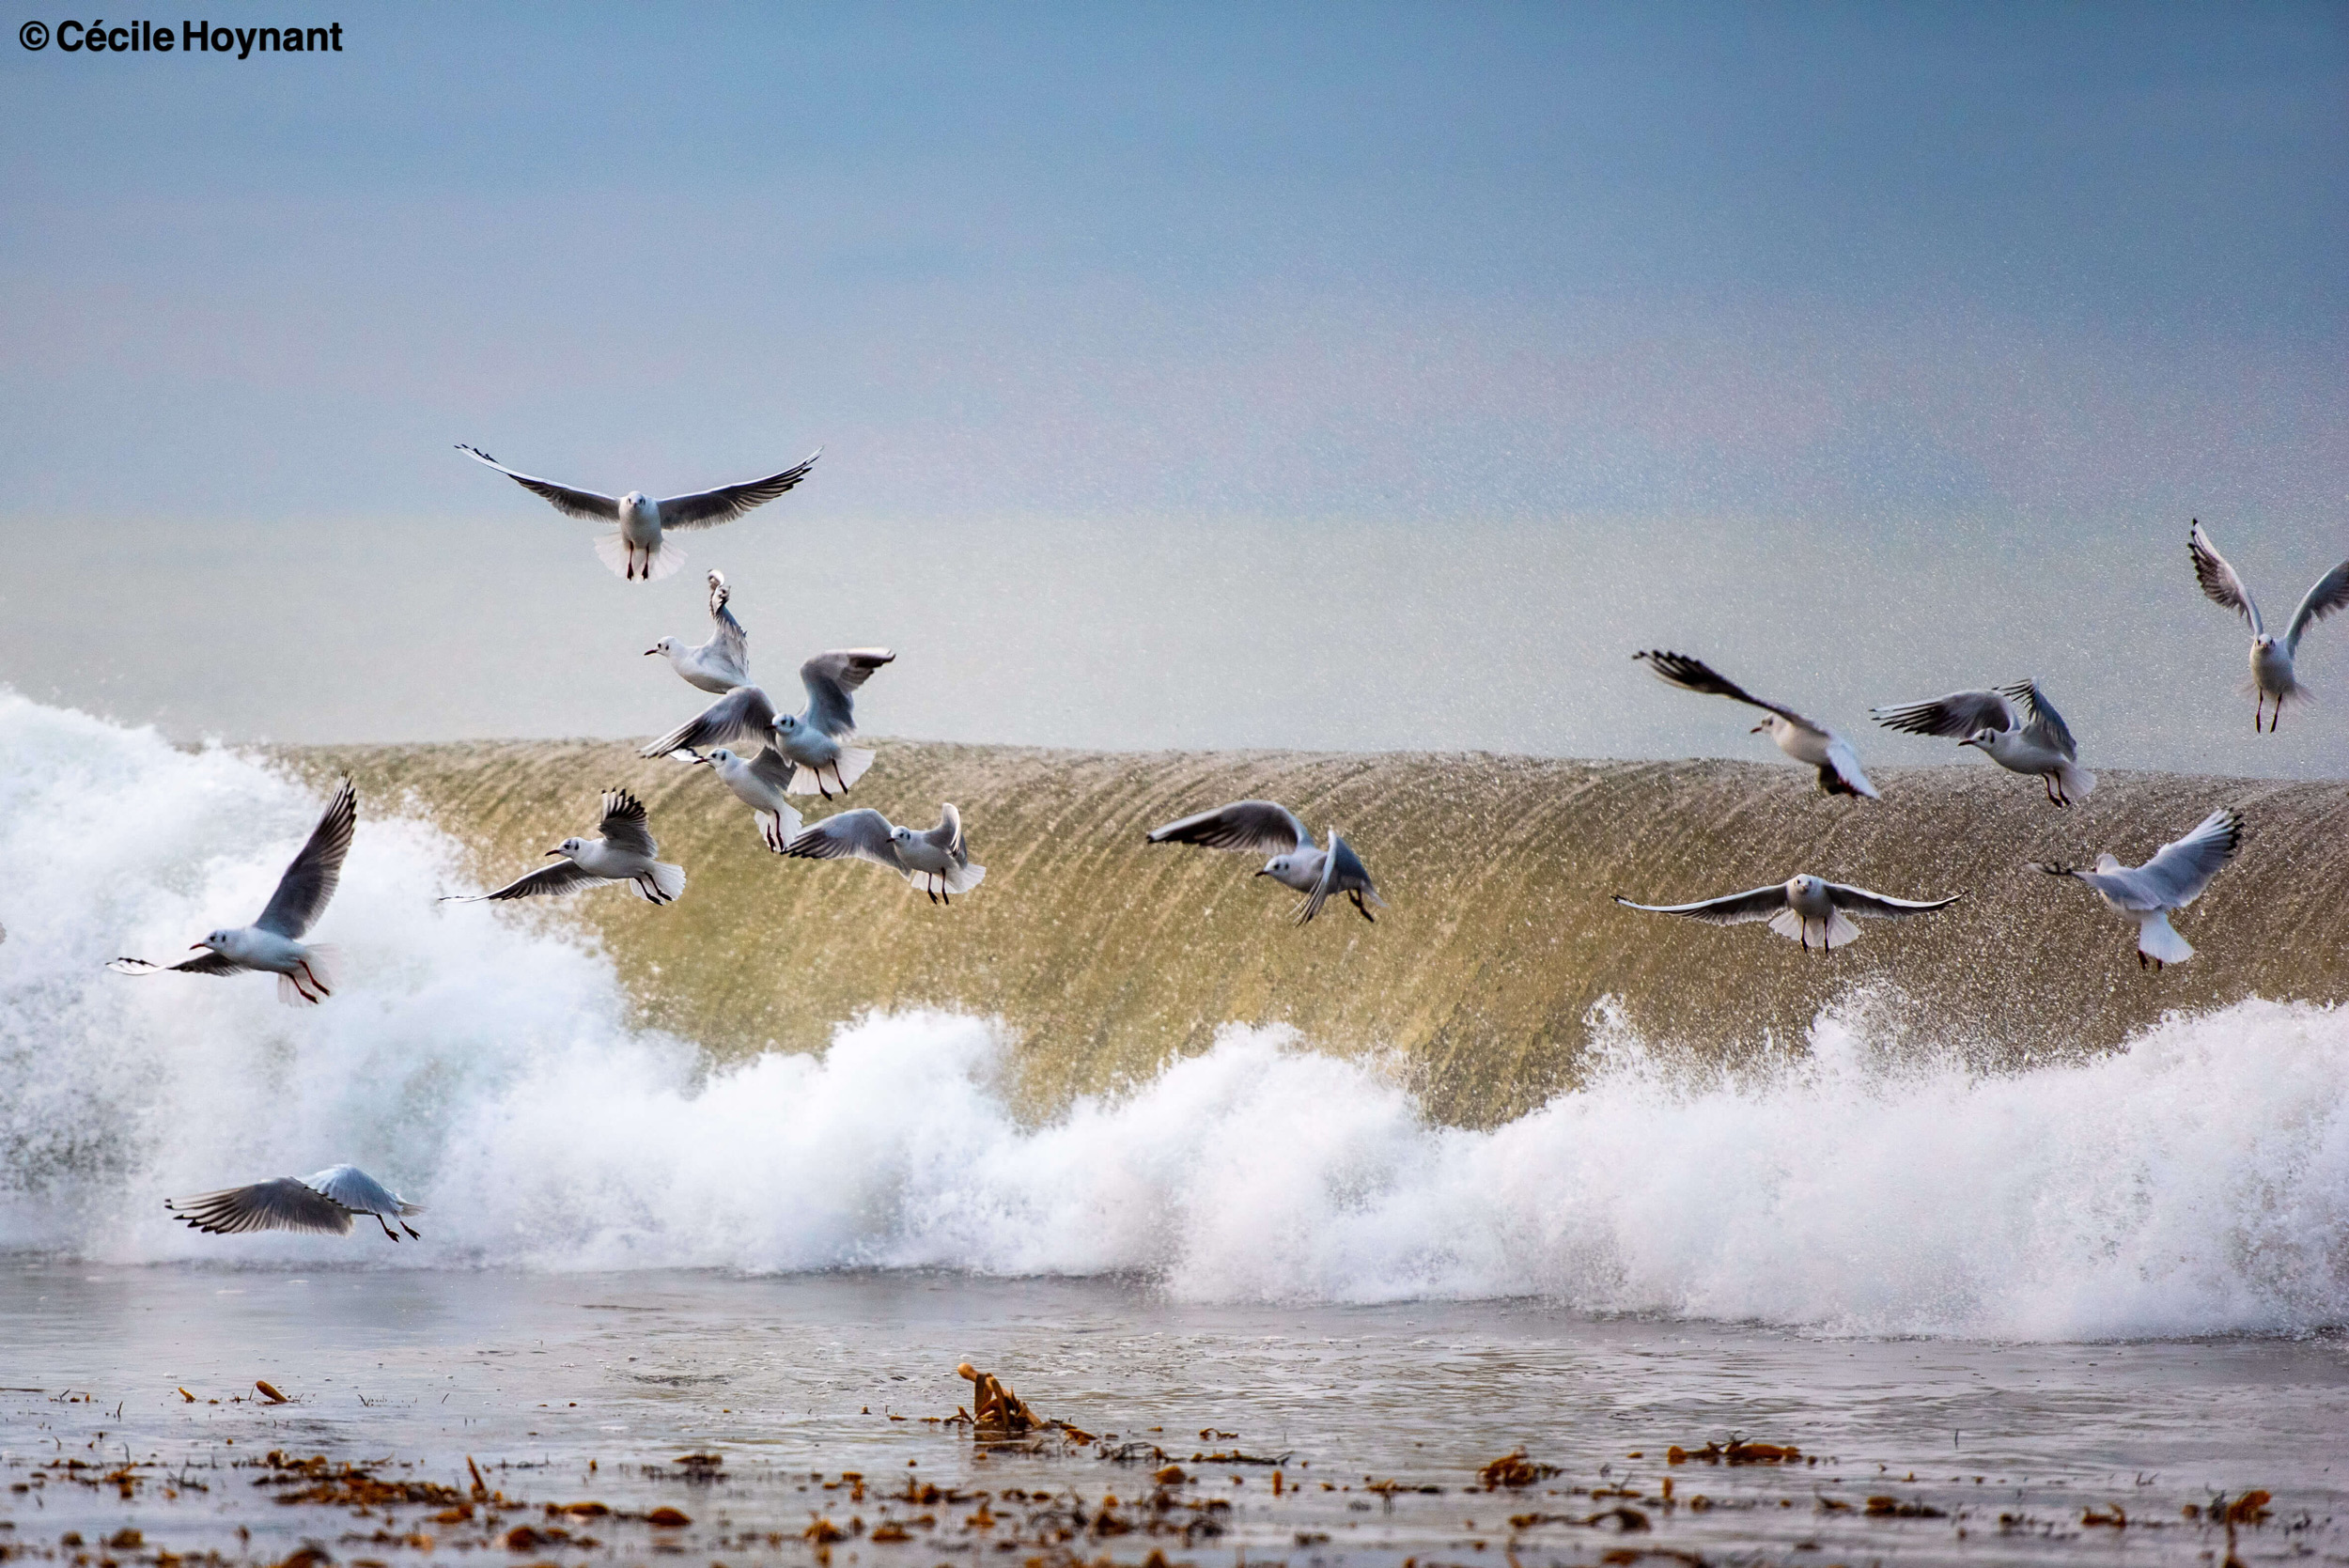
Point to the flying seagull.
(2016, 726)
(624, 853)
(1801, 738)
(1260, 826)
(1801, 906)
(2272, 675)
(2174, 878)
(811, 740)
(636, 548)
(720, 664)
(324, 1202)
(306, 974)
(760, 783)
(937, 861)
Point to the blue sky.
(1331, 375)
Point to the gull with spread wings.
(937, 861)
(813, 740)
(324, 1202)
(307, 974)
(1799, 908)
(636, 548)
(2015, 726)
(1801, 738)
(720, 664)
(2272, 677)
(2174, 878)
(1261, 826)
(624, 853)
(761, 782)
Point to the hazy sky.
(1329, 376)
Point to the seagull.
(2016, 726)
(1255, 826)
(1797, 737)
(324, 1202)
(2272, 676)
(636, 548)
(937, 861)
(1800, 905)
(2174, 878)
(624, 853)
(810, 740)
(720, 664)
(306, 975)
(760, 784)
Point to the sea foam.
(487, 1063)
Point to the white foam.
(2197, 1182)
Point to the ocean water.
(2128, 1261)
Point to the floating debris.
(998, 1413)
(1894, 1508)
(1736, 1452)
(1513, 1469)
(269, 1392)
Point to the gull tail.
(962, 878)
(1836, 931)
(778, 829)
(663, 884)
(834, 777)
(2156, 939)
(320, 976)
(634, 561)
(2074, 782)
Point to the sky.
(1188, 376)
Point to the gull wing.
(1735, 909)
(545, 882)
(1843, 763)
(2330, 593)
(570, 503)
(947, 835)
(2181, 869)
(283, 1204)
(1694, 675)
(733, 643)
(310, 881)
(1342, 872)
(744, 713)
(2043, 723)
(354, 1189)
(2219, 580)
(830, 677)
(861, 834)
(708, 508)
(203, 963)
(1859, 901)
(1955, 715)
(773, 770)
(625, 825)
(1249, 826)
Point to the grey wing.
(744, 713)
(708, 508)
(2330, 593)
(947, 835)
(1249, 826)
(733, 643)
(1342, 872)
(861, 834)
(545, 882)
(2219, 580)
(203, 963)
(310, 881)
(2181, 869)
(2045, 724)
(570, 503)
(625, 824)
(773, 770)
(1861, 902)
(1734, 908)
(283, 1204)
(1957, 716)
(830, 677)
(1694, 675)
(354, 1189)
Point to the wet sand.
(814, 1400)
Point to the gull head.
(568, 849)
(901, 835)
(789, 723)
(2264, 643)
(1276, 866)
(637, 504)
(717, 754)
(1801, 885)
(666, 644)
(1982, 737)
(213, 939)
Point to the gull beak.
(552, 852)
(195, 947)
(1759, 728)
(649, 652)
(1262, 872)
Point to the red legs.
(387, 1227)
(412, 1229)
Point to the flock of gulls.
(765, 756)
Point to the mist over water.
(494, 1067)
